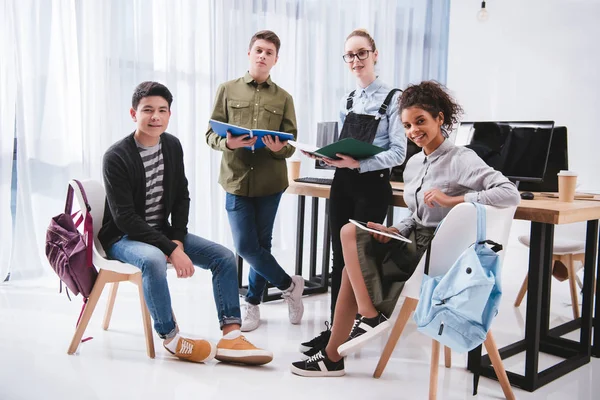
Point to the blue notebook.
(221, 128)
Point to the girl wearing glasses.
(361, 189)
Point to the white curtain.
(76, 64)
(8, 90)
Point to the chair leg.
(573, 286)
(110, 305)
(522, 291)
(447, 357)
(137, 279)
(434, 369)
(492, 349)
(407, 308)
(101, 280)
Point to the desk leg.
(540, 257)
(240, 269)
(300, 234)
(596, 322)
(326, 249)
(591, 247)
(546, 284)
(314, 225)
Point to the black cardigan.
(125, 184)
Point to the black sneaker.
(308, 354)
(319, 342)
(319, 365)
(364, 329)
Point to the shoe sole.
(356, 344)
(246, 360)
(316, 374)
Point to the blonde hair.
(363, 33)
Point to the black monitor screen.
(517, 149)
(558, 159)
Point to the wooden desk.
(543, 213)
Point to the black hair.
(149, 88)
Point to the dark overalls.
(364, 197)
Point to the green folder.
(350, 147)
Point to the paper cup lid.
(567, 173)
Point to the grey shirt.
(456, 171)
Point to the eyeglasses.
(361, 55)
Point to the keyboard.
(318, 181)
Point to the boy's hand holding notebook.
(221, 129)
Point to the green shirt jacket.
(244, 102)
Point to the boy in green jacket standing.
(255, 179)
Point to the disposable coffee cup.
(567, 180)
(293, 169)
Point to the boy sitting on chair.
(145, 185)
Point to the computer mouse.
(527, 196)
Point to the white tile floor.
(37, 324)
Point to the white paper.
(363, 225)
(303, 146)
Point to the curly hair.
(434, 98)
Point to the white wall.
(533, 59)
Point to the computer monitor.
(558, 160)
(518, 149)
(398, 172)
(327, 133)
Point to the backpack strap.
(85, 199)
(350, 100)
(387, 101)
(88, 223)
(481, 229)
(69, 201)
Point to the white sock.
(172, 345)
(233, 334)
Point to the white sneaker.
(293, 298)
(251, 318)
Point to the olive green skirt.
(387, 266)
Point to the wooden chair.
(566, 251)
(109, 271)
(455, 234)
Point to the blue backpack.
(457, 308)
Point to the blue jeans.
(251, 220)
(204, 254)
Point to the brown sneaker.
(240, 350)
(194, 350)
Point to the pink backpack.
(69, 252)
